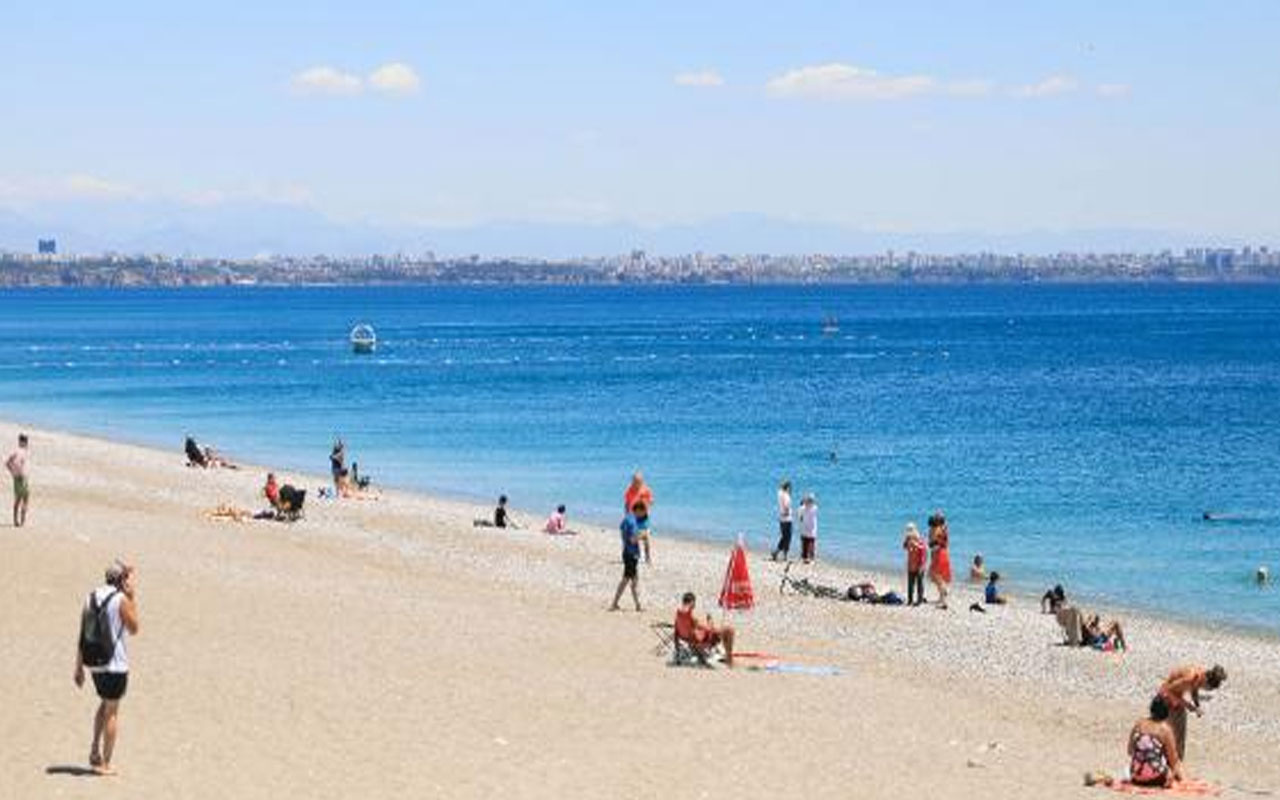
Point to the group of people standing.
(808, 518)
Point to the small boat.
(363, 339)
(830, 326)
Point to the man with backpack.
(109, 617)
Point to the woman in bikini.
(940, 561)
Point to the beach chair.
(291, 502)
(683, 653)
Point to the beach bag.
(97, 640)
(891, 599)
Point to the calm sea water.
(1072, 434)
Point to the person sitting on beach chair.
(291, 500)
(698, 639)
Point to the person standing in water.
(784, 522)
(16, 463)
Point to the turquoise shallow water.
(1073, 434)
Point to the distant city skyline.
(558, 129)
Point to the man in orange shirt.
(639, 492)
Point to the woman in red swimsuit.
(940, 561)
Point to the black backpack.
(97, 639)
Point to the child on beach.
(630, 528)
(556, 523)
(808, 528)
(501, 517)
(993, 596)
(917, 555)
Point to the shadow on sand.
(73, 770)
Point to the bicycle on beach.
(803, 586)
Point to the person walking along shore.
(784, 522)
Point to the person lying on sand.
(702, 635)
(228, 512)
(1083, 630)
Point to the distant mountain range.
(246, 229)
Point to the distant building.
(47, 247)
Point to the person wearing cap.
(118, 599)
(808, 528)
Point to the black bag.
(97, 639)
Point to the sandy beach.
(386, 648)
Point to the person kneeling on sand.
(113, 610)
(1153, 753)
(702, 635)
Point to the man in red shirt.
(702, 635)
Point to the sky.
(904, 118)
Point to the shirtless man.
(1181, 690)
(17, 466)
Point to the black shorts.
(629, 566)
(111, 685)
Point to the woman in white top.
(117, 599)
(784, 521)
(808, 528)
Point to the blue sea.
(1072, 434)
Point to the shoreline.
(387, 648)
(883, 578)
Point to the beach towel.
(1188, 788)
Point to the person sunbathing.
(702, 635)
(1053, 600)
(1153, 753)
(271, 490)
(1102, 637)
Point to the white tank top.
(120, 658)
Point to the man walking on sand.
(631, 526)
(116, 604)
(16, 463)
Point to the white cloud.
(969, 88)
(93, 187)
(1050, 86)
(395, 78)
(1114, 90)
(705, 79)
(847, 82)
(326, 80)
